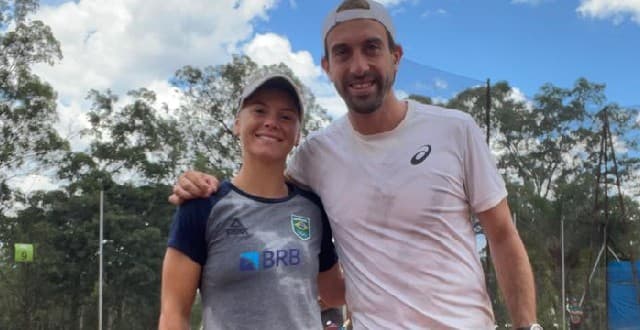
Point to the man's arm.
(509, 256)
(194, 184)
(180, 277)
(331, 287)
(191, 185)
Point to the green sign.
(24, 252)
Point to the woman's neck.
(262, 180)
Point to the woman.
(259, 249)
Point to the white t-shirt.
(399, 204)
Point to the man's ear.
(325, 66)
(397, 55)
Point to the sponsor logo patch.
(422, 154)
(249, 261)
(267, 259)
(237, 229)
(301, 226)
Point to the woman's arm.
(180, 278)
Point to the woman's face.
(268, 125)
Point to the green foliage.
(548, 151)
(134, 140)
(27, 104)
(211, 96)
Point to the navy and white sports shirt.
(260, 257)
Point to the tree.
(27, 104)
(548, 150)
(136, 141)
(211, 98)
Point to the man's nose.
(359, 64)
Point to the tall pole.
(100, 276)
(564, 299)
(488, 110)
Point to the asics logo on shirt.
(422, 154)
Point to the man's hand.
(193, 184)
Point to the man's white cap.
(275, 80)
(375, 11)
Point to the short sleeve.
(328, 256)
(187, 233)
(484, 186)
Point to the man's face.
(360, 63)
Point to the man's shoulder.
(306, 193)
(440, 113)
(204, 205)
(332, 133)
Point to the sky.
(448, 45)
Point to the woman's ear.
(236, 129)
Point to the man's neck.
(386, 118)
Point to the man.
(399, 181)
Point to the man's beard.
(369, 103)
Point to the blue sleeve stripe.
(189, 227)
(328, 256)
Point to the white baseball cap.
(275, 80)
(374, 11)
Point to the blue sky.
(526, 44)
(449, 44)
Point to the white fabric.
(403, 232)
(376, 11)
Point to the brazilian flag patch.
(301, 226)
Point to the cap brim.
(276, 81)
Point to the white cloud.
(389, 3)
(440, 83)
(616, 10)
(517, 95)
(528, 2)
(127, 44)
(439, 11)
(334, 104)
(269, 48)
(31, 183)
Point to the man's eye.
(372, 48)
(339, 52)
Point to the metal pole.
(564, 299)
(488, 110)
(100, 276)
